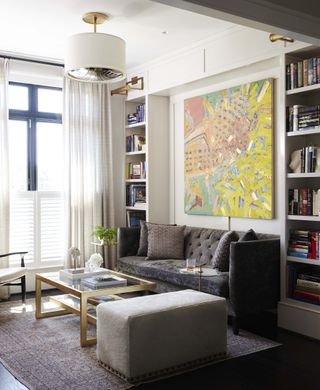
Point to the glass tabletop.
(104, 280)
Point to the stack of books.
(138, 116)
(304, 201)
(135, 142)
(304, 244)
(104, 281)
(136, 195)
(134, 217)
(136, 170)
(303, 73)
(303, 117)
(307, 287)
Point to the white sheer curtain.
(4, 169)
(89, 181)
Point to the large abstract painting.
(228, 152)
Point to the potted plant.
(107, 236)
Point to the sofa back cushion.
(201, 243)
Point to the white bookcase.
(293, 314)
(155, 155)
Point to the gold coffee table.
(79, 297)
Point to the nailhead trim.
(166, 371)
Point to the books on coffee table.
(104, 281)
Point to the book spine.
(310, 71)
(308, 283)
(288, 77)
(305, 73)
(300, 74)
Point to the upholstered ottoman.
(150, 336)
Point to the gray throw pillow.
(165, 242)
(143, 243)
(222, 253)
(250, 235)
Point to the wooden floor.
(294, 365)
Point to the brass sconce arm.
(129, 86)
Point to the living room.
(111, 167)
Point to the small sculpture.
(295, 163)
(74, 253)
(95, 261)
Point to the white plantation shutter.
(51, 231)
(36, 226)
(22, 225)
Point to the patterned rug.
(45, 354)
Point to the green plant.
(105, 235)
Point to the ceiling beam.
(260, 14)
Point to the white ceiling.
(40, 27)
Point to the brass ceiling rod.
(129, 86)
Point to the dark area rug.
(45, 354)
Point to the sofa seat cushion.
(168, 271)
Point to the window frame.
(32, 116)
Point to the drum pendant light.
(95, 57)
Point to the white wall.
(269, 68)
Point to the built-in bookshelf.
(300, 303)
(146, 159)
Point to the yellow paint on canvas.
(228, 153)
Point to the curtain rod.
(29, 60)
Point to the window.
(36, 173)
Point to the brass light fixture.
(277, 37)
(95, 57)
(129, 86)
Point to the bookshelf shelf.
(315, 130)
(293, 259)
(136, 208)
(302, 175)
(135, 125)
(135, 153)
(302, 305)
(309, 88)
(136, 180)
(310, 218)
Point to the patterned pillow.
(250, 235)
(222, 253)
(165, 242)
(143, 243)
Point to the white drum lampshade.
(95, 57)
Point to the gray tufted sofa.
(251, 285)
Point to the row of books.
(310, 159)
(136, 170)
(135, 143)
(136, 195)
(134, 217)
(301, 117)
(304, 244)
(303, 73)
(304, 201)
(138, 116)
(303, 284)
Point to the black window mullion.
(32, 139)
(32, 116)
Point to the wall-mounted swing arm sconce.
(130, 85)
(277, 37)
